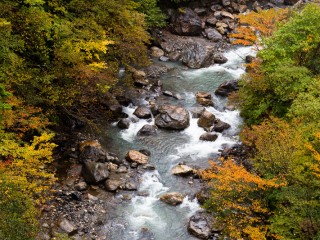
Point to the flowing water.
(168, 148)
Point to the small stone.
(156, 52)
(81, 186)
(92, 198)
(67, 226)
(112, 185)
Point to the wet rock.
(199, 226)
(227, 87)
(149, 167)
(197, 111)
(203, 195)
(172, 198)
(167, 93)
(91, 150)
(249, 58)
(219, 58)
(67, 226)
(95, 172)
(142, 112)
(206, 119)
(147, 130)
(186, 23)
(112, 184)
(220, 126)
(124, 123)
(137, 157)
(204, 99)
(156, 52)
(172, 117)
(213, 34)
(209, 136)
(164, 59)
(81, 186)
(182, 170)
(145, 152)
(196, 55)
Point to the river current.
(146, 217)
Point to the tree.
(257, 25)
(238, 198)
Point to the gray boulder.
(227, 87)
(95, 172)
(186, 23)
(124, 123)
(219, 58)
(172, 117)
(142, 112)
(112, 185)
(220, 126)
(213, 34)
(199, 226)
(147, 130)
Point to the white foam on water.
(130, 133)
(143, 212)
(199, 148)
(192, 205)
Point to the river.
(145, 217)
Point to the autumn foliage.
(238, 199)
(255, 25)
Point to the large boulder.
(186, 22)
(199, 226)
(91, 150)
(206, 119)
(172, 198)
(196, 55)
(182, 170)
(194, 52)
(95, 172)
(220, 126)
(142, 112)
(172, 117)
(124, 123)
(137, 157)
(147, 130)
(219, 58)
(227, 87)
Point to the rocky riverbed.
(163, 130)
